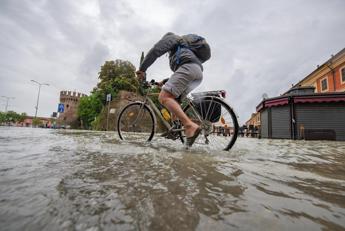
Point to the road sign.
(61, 107)
(108, 97)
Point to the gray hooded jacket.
(169, 43)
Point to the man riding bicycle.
(187, 68)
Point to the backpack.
(197, 44)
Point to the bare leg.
(168, 100)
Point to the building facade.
(316, 116)
(313, 109)
(69, 117)
(254, 120)
(329, 77)
(252, 126)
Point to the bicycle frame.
(156, 112)
(199, 107)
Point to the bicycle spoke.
(210, 104)
(136, 123)
(219, 123)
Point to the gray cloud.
(92, 62)
(257, 46)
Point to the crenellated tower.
(70, 100)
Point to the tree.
(2, 117)
(36, 122)
(115, 76)
(22, 117)
(11, 117)
(89, 108)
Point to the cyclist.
(187, 75)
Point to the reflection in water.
(77, 180)
(158, 192)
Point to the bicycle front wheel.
(217, 120)
(136, 123)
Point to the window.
(342, 75)
(324, 84)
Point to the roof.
(308, 98)
(329, 61)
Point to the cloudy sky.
(258, 46)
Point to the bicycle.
(138, 119)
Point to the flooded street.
(80, 180)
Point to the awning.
(260, 106)
(277, 102)
(314, 99)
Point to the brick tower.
(69, 117)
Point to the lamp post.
(38, 96)
(7, 99)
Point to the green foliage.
(2, 117)
(11, 117)
(97, 123)
(36, 122)
(115, 76)
(22, 117)
(113, 69)
(89, 108)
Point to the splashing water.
(81, 180)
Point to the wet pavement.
(82, 180)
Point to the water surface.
(81, 180)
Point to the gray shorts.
(186, 78)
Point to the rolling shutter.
(281, 122)
(330, 117)
(264, 123)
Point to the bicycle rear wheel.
(136, 123)
(217, 120)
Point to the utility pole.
(39, 91)
(7, 99)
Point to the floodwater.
(81, 180)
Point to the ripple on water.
(82, 180)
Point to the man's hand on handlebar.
(141, 75)
(159, 84)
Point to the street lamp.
(7, 99)
(38, 96)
